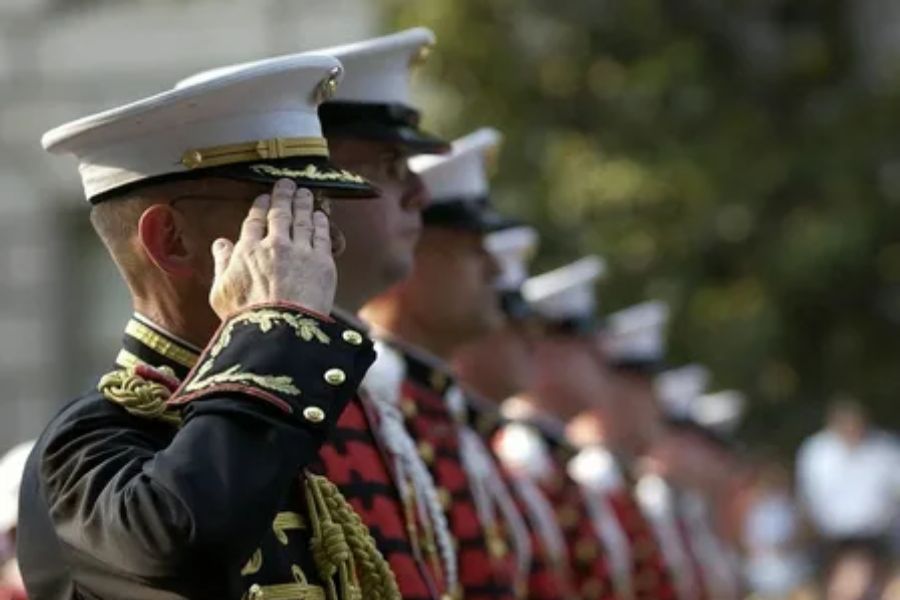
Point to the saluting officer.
(182, 475)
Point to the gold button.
(586, 551)
(313, 414)
(444, 498)
(192, 159)
(335, 376)
(426, 451)
(497, 546)
(354, 338)
(408, 406)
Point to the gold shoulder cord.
(139, 396)
(341, 542)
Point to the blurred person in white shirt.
(848, 478)
(776, 565)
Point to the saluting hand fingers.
(254, 226)
(322, 234)
(303, 217)
(280, 217)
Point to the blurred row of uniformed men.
(445, 425)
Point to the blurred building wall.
(62, 307)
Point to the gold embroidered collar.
(147, 343)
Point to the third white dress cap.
(636, 335)
(458, 184)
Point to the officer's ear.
(161, 233)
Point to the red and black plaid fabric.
(486, 564)
(549, 578)
(651, 579)
(353, 460)
(590, 567)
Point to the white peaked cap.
(255, 114)
(678, 389)
(568, 292)
(375, 71)
(379, 70)
(513, 249)
(461, 174)
(720, 411)
(12, 467)
(637, 334)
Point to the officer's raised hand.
(283, 254)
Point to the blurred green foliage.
(726, 157)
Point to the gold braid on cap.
(216, 156)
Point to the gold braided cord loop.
(329, 507)
(139, 396)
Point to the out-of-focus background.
(739, 160)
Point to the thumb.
(221, 251)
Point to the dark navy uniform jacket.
(135, 491)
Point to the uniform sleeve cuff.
(305, 364)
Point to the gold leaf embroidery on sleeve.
(233, 374)
(305, 328)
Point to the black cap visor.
(471, 215)
(314, 172)
(393, 123)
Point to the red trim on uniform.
(277, 304)
(151, 374)
(233, 387)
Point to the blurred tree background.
(727, 157)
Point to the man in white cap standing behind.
(447, 300)
(372, 128)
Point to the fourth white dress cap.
(636, 335)
(258, 123)
(567, 293)
(678, 389)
